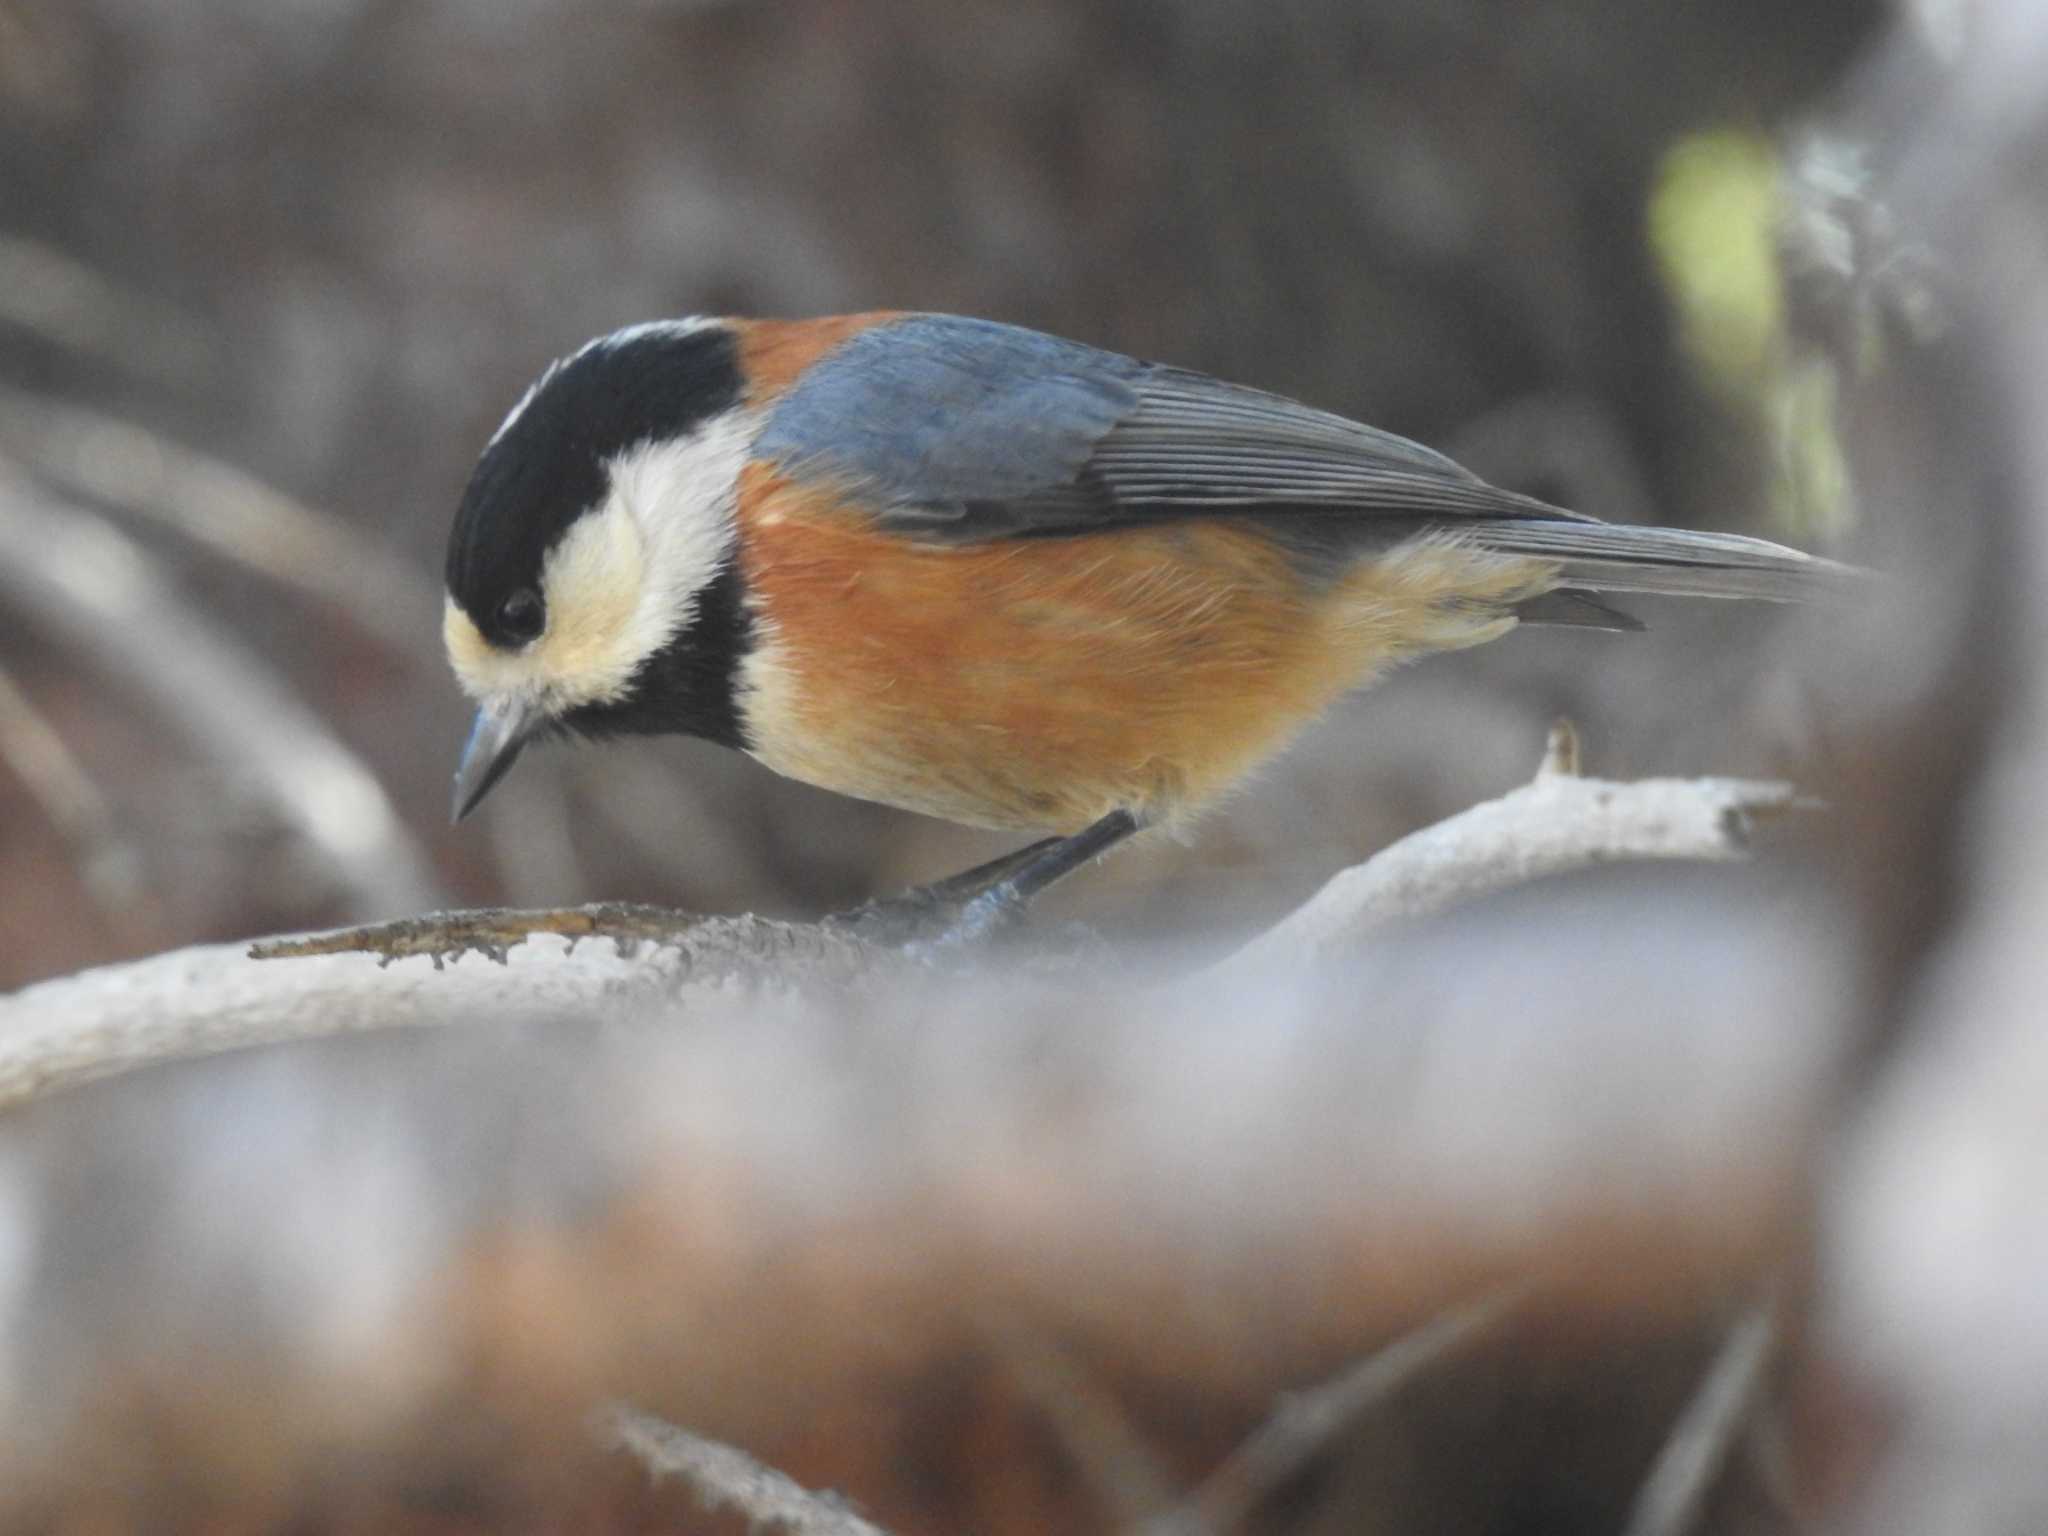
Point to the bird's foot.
(936, 919)
(975, 907)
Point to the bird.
(986, 573)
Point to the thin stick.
(724, 1477)
(1557, 823)
(1128, 1479)
(1304, 1425)
(1691, 1461)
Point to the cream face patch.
(625, 578)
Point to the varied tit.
(984, 573)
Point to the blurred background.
(272, 270)
(270, 274)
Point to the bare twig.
(1557, 823)
(1304, 1426)
(490, 932)
(1130, 1481)
(725, 1477)
(214, 998)
(199, 1001)
(227, 512)
(1563, 753)
(1685, 1470)
(83, 579)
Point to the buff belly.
(1040, 684)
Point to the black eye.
(522, 615)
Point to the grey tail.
(1620, 557)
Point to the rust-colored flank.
(1038, 684)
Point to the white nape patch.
(519, 409)
(689, 325)
(625, 579)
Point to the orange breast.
(1039, 684)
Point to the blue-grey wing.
(968, 429)
(964, 430)
(929, 414)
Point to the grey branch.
(1685, 1470)
(1306, 1424)
(1553, 825)
(1109, 1452)
(81, 578)
(725, 1477)
(214, 998)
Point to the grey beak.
(493, 747)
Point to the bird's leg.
(1012, 893)
(1058, 857)
(920, 911)
(970, 883)
(973, 903)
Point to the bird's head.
(590, 570)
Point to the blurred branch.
(58, 298)
(78, 576)
(1305, 1425)
(1600, 1090)
(724, 1477)
(109, 867)
(227, 512)
(1693, 1458)
(1551, 826)
(1130, 1481)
